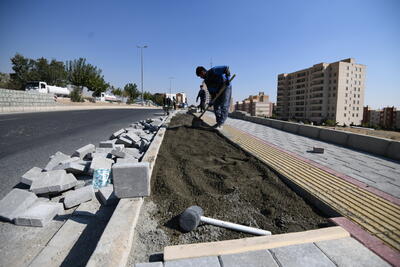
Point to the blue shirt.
(216, 78)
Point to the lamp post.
(141, 57)
(170, 84)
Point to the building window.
(348, 67)
(358, 102)
(347, 74)
(357, 115)
(347, 81)
(344, 114)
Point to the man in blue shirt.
(216, 79)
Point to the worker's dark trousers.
(202, 106)
(221, 105)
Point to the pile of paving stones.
(66, 181)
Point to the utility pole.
(141, 57)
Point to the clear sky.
(257, 39)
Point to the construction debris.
(121, 154)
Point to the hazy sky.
(257, 39)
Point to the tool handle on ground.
(235, 226)
(218, 94)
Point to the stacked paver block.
(76, 197)
(124, 141)
(84, 151)
(100, 163)
(15, 202)
(53, 181)
(39, 214)
(55, 160)
(131, 179)
(117, 133)
(107, 196)
(31, 175)
(107, 144)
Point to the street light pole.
(141, 57)
(170, 84)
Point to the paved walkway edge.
(371, 242)
(252, 243)
(115, 244)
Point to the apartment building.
(388, 117)
(325, 91)
(258, 105)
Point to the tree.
(147, 96)
(81, 74)
(131, 91)
(116, 91)
(26, 70)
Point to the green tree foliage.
(131, 91)
(26, 70)
(81, 74)
(147, 96)
(116, 91)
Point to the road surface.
(27, 140)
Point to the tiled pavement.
(339, 252)
(375, 171)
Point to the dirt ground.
(199, 167)
(377, 133)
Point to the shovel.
(197, 122)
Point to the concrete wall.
(374, 145)
(13, 100)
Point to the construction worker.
(202, 96)
(216, 79)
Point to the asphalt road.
(28, 140)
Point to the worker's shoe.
(217, 127)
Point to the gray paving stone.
(28, 177)
(133, 137)
(76, 197)
(107, 196)
(56, 159)
(117, 133)
(119, 152)
(301, 255)
(39, 214)
(100, 163)
(195, 262)
(349, 252)
(131, 179)
(15, 202)
(133, 152)
(259, 258)
(127, 160)
(53, 181)
(107, 144)
(85, 150)
(124, 141)
(150, 264)
(76, 167)
(144, 144)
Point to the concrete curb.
(370, 144)
(115, 244)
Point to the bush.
(76, 95)
(330, 123)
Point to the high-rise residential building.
(325, 91)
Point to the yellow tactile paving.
(375, 214)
